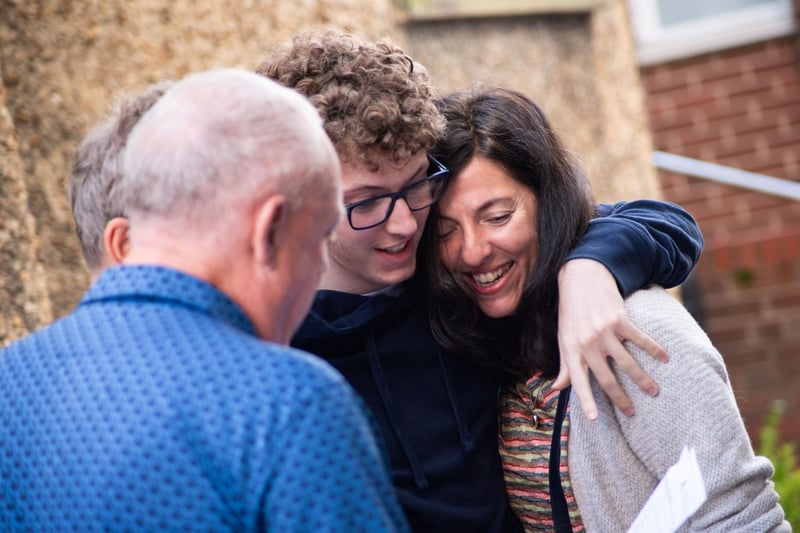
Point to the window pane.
(673, 12)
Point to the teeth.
(395, 249)
(490, 277)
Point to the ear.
(116, 240)
(270, 230)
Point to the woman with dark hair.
(515, 205)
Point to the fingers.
(627, 364)
(562, 379)
(580, 384)
(576, 361)
(582, 388)
(639, 338)
(608, 382)
(594, 329)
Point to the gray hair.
(97, 169)
(220, 140)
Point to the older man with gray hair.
(100, 224)
(168, 400)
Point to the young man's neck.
(389, 290)
(332, 285)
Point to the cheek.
(527, 244)
(520, 238)
(342, 232)
(350, 248)
(534, 247)
(448, 253)
(342, 242)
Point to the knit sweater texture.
(616, 461)
(154, 407)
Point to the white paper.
(678, 496)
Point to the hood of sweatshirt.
(347, 329)
(335, 315)
(436, 411)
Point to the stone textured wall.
(24, 303)
(580, 68)
(63, 61)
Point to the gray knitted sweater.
(616, 461)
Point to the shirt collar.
(157, 283)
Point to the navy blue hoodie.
(436, 410)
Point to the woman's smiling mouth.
(486, 279)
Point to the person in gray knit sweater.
(514, 205)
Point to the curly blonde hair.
(374, 99)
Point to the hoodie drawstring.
(463, 429)
(386, 399)
(379, 377)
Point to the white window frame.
(456, 9)
(658, 44)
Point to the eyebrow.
(369, 189)
(385, 190)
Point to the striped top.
(527, 417)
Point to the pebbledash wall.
(63, 63)
(740, 107)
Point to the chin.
(498, 311)
(399, 275)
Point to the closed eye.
(366, 206)
(444, 230)
(444, 235)
(499, 219)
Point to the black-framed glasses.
(418, 195)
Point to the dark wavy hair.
(506, 127)
(373, 98)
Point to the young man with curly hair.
(436, 410)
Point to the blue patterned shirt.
(154, 407)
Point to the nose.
(402, 221)
(475, 248)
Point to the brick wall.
(741, 108)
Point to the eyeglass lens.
(418, 195)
